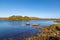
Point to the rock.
(35, 24)
(52, 38)
(27, 23)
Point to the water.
(16, 29)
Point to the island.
(14, 17)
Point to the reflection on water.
(19, 30)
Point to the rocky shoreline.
(58, 21)
(51, 32)
(48, 33)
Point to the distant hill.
(3, 18)
(34, 18)
(27, 18)
(44, 18)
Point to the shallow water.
(16, 29)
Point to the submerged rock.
(48, 33)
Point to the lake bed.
(19, 29)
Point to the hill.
(26, 18)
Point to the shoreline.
(47, 32)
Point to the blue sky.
(37, 8)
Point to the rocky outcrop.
(48, 33)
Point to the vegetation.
(18, 18)
(48, 33)
(26, 18)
